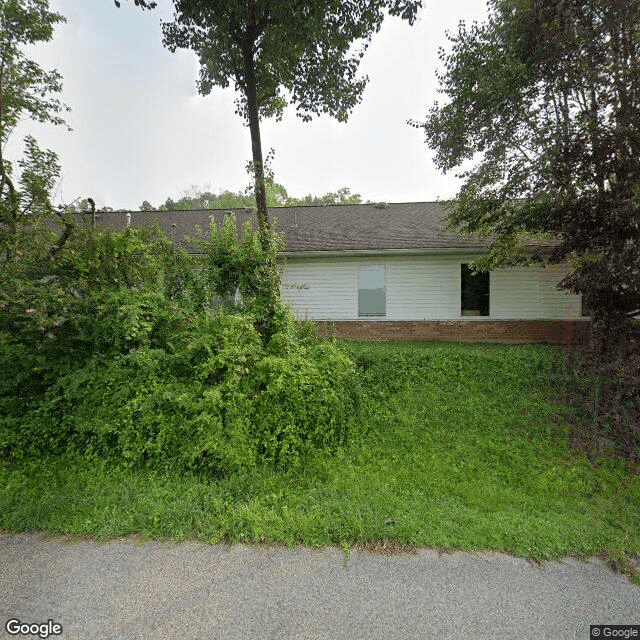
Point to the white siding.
(332, 288)
(422, 288)
(530, 292)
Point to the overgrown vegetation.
(545, 96)
(151, 391)
(123, 346)
(143, 399)
(604, 396)
(449, 446)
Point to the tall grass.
(451, 446)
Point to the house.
(391, 272)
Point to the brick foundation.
(505, 331)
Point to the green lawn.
(453, 446)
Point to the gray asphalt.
(127, 589)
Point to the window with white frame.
(372, 290)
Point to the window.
(475, 292)
(372, 296)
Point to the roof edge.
(277, 208)
(401, 252)
(380, 252)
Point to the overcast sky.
(142, 132)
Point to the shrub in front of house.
(116, 352)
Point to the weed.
(450, 446)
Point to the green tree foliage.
(143, 4)
(26, 92)
(546, 96)
(341, 196)
(280, 51)
(82, 205)
(196, 198)
(543, 101)
(119, 347)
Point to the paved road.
(130, 590)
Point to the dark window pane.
(585, 308)
(475, 292)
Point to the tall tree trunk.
(256, 143)
(266, 319)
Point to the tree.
(545, 95)
(196, 198)
(341, 196)
(143, 4)
(26, 92)
(279, 51)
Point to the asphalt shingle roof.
(361, 227)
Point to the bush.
(218, 403)
(117, 354)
